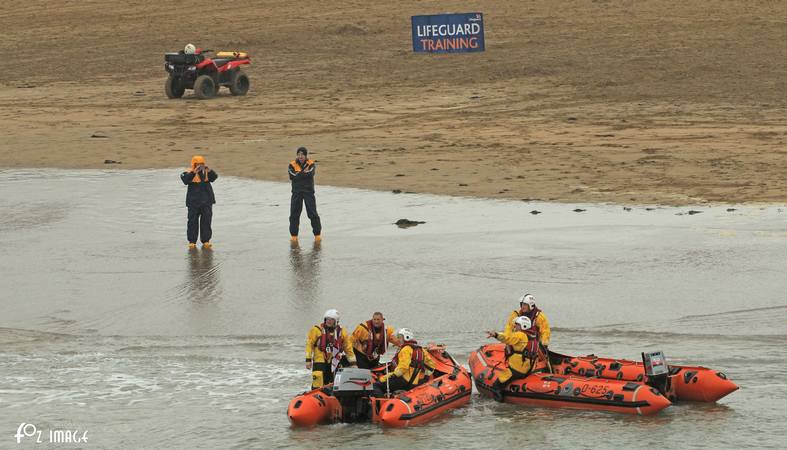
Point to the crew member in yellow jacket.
(521, 351)
(412, 364)
(528, 308)
(327, 348)
(371, 339)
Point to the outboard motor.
(352, 387)
(657, 372)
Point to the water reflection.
(203, 284)
(711, 413)
(305, 274)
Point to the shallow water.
(109, 324)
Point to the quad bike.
(205, 75)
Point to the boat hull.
(450, 390)
(563, 391)
(692, 383)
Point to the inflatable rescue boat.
(698, 384)
(353, 397)
(563, 390)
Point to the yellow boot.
(192, 245)
(294, 239)
(317, 238)
(207, 245)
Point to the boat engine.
(352, 387)
(657, 372)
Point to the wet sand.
(111, 325)
(600, 101)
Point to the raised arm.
(512, 338)
(186, 177)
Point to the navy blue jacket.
(199, 194)
(302, 177)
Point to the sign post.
(448, 33)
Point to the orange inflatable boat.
(684, 382)
(353, 397)
(563, 390)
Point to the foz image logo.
(55, 436)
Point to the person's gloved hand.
(385, 377)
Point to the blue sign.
(448, 33)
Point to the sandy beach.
(596, 101)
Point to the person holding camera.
(199, 200)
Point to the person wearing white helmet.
(521, 351)
(190, 49)
(371, 339)
(528, 308)
(412, 364)
(327, 348)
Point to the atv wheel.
(240, 84)
(204, 87)
(174, 87)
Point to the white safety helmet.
(527, 299)
(406, 334)
(332, 314)
(523, 322)
(190, 49)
